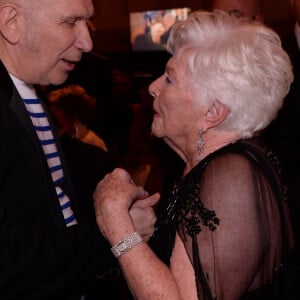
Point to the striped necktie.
(44, 132)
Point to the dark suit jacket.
(87, 164)
(39, 257)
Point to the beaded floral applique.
(192, 211)
(186, 206)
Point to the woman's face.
(177, 109)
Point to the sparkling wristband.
(126, 244)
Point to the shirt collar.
(26, 91)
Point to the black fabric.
(87, 165)
(186, 212)
(39, 257)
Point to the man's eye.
(168, 80)
(71, 22)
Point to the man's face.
(53, 37)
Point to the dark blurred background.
(112, 18)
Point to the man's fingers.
(149, 201)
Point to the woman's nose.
(153, 89)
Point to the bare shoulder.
(227, 180)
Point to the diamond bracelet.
(126, 244)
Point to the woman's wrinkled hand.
(121, 207)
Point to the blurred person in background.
(75, 110)
(240, 8)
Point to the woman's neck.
(212, 142)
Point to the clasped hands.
(121, 207)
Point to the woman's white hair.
(237, 61)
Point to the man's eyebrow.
(78, 16)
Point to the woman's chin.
(156, 132)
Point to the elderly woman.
(224, 230)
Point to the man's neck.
(26, 91)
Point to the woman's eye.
(168, 80)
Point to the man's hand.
(143, 216)
(121, 207)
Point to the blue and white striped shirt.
(43, 129)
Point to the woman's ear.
(216, 114)
(9, 23)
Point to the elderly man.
(49, 248)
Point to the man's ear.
(9, 25)
(216, 114)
